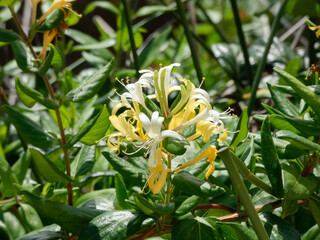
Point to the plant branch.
(243, 194)
(216, 206)
(262, 63)
(242, 39)
(131, 37)
(52, 95)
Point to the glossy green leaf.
(277, 121)
(163, 209)
(153, 9)
(192, 185)
(43, 235)
(29, 217)
(298, 141)
(309, 127)
(295, 186)
(83, 131)
(20, 167)
(46, 64)
(270, 158)
(175, 146)
(188, 205)
(115, 225)
(71, 219)
(30, 96)
(47, 169)
(152, 51)
(282, 103)
(193, 229)
(14, 226)
(312, 234)
(8, 178)
(308, 96)
(101, 4)
(121, 191)
(8, 35)
(127, 169)
(289, 90)
(84, 161)
(20, 54)
(4, 233)
(242, 129)
(289, 207)
(91, 85)
(279, 229)
(314, 204)
(52, 21)
(57, 60)
(7, 2)
(107, 196)
(236, 231)
(285, 149)
(99, 128)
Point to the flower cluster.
(147, 119)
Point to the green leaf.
(153, 49)
(309, 127)
(57, 60)
(279, 229)
(20, 54)
(29, 217)
(8, 35)
(298, 141)
(115, 225)
(192, 185)
(84, 161)
(101, 4)
(289, 207)
(276, 121)
(314, 204)
(236, 231)
(289, 90)
(84, 130)
(187, 205)
(270, 158)
(153, 9)
(52, 21)
(71, 219)
(242, 129)
(20, 167)
(4, 233)
(303, 7)
(285, 149)
(126, 169)
(308, 96)
(99, 128)
(105, 196)
(163, 209)
(30, 96)
(47, 169)
(46, 64)
(121, 191)
(8, 179)
(14, 226)
(193, 229)
(91, 85)
(282, 103)
(312, 234)
(175, 146)
(7, 2)
(296, 187)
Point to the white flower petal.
(145, 121)
(170, 133)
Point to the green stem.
(249, 176)
(52, 95)
(131, 37)
(215, 26)
(263, 61)
(168, 193)
(187, 31)
(242, 39)
(225, 155)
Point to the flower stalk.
(241, 190)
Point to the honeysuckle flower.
(145, 119)
(316, 29)
(153, 129)
(57, 4)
